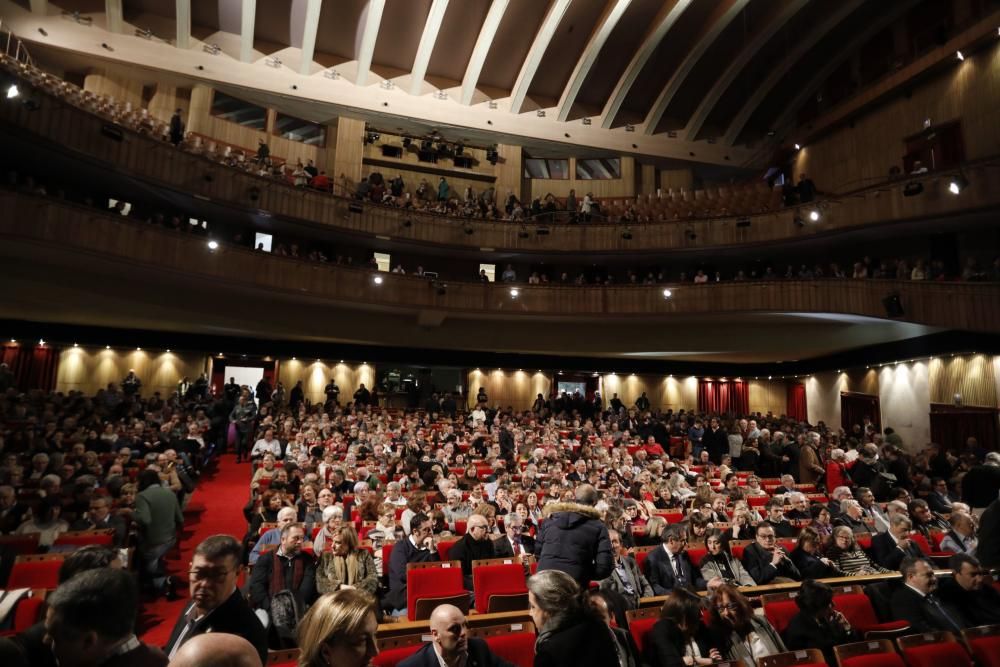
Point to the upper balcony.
(86, 125)
(68, 263)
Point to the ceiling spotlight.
(138, 349)
(814, 215)
(12, 92)
(467, 228)
(41, 341)
(667, 294)
(957, 184)
(958, 54)
(213, 245)
(377, 280)
(522, 233)
(273, 61)
(798, 147)
(168, 350)
(76, 345)
(514, 292)
(406, 142)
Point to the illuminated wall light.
(213, 245)
(41, 341)
(377, 280)
(138, 349)
(14, 341)
(76, 345)
(814, 215)
(798, 147)
(667, 294)
(168, 351)
(959, 55)
(107, 347)
(514, 292)
(293, 358)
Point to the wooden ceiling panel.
(513, 40)
(456, 39)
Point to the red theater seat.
(81, 538)
(641, 554)
(20, 545)
(933, 649)
(393, 656)
(696, 554)
(434, 582)
(286, 658)
(35, 571)
(779, 608)
(444, 548)
(984, 642)
(514, 642)
(872, 653)
(640, 622)
(499, 585)
(859, 611)
(811, 657)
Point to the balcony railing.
(86, 232)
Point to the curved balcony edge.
(59, 229)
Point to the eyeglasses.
(765, 536)
(215, 576)
(732, 606)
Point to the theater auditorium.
(534, 333)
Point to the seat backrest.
(639, 628)
(780, 612)
(35, 572)
(871, 653)
(696, 554)
(936, 654)
(513, 642)
(985, 649)
(285, 658)
(28, 612)
(444, 548)
(490, 580)
(431, 582)
(20, 545)
(641, 554)
(810, 657)
(857, 608)
(81, 538)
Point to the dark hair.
(682, 607)
(217, 547)
(958, 560)
(88, 557)
(417, 519)
(914, 504)
(814, 597)
(818, 509)
(148, 478)
(909, 565)
(104, 601)
(744, 610)
(775, 502)
(673, 531)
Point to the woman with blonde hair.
(339, 631)
(346, 564)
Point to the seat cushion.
(986, 650)
(874, 660)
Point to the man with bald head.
(216, 649)
(450, 644)
(474, 545)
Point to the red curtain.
(855, 407)
(951, 426)
(729, 396)
(797, 403)
(33, 367)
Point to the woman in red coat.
(837, 471)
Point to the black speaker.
(893, 306)
(392, 151)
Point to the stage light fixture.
(514, 292)
(959, 55)
(798, 147)
(13, 92)
(667, 294)
(814, 215)
(913, 188)
(957, 184)
(213, 245)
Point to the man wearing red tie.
(517, 542)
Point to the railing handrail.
(20, 50)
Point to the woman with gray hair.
(569, 631)
(850, 558)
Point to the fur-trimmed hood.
(585, 511)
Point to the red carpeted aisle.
(216, 507)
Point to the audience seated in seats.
(850, 558)
(574, 540)
(101, 517)
(46, 522)
(924, 520)
(961, 538)
(988, 549)
(570, 632)
(776, 517)
(272, 537)
(680, 638)
(418, 547)
(339, 630)
(216, 603)
(891, 547)
(809, 559)
(283, 584)
(517, 540)
(917, 603)
(628, 652)
(818, 624)
(626, 579)
(766, 561)
(332, 520)
(216, 649)
(852, 515)
(346, 565)
(967, 592)
(739, 633)
(474, 545)
(12, 510)
(669, 566)
(450, 643)
(719, 564)
(940, 498)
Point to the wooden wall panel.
(509, 171)
(349, 151)
(863, 152)
(972, 376)
(676, 180)
(665, 393)
(517, 389)
(316, 374)
(90, 369)
(861, 381)
(123, 90)
(768, 396)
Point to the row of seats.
(34, 570)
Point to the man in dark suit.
(100, 517)
(715, 441)
(517, 541)
(891, 547)
(916, 603)
(988, 550)
(965, 591)
(670, 567)
(417, 547)
(766, 561)
(12, 512)
(474, 545)
(216, 603)
(940, 499)
(451, 645)
(626, 580)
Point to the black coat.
(573, 539)
(757, 562)
(479, 656)
(665, 645)
(233, 616)
(923, 616)
(717, 444)
(885, 552)
(583, 641)
(810, 566)
(467, 550)
(662, 577)
(403, 552)
(805, 632)
(980, 607)
(988, 550)
(263, 570)
(981, 485)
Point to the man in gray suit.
(626, 579)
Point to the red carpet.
(216, 507)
